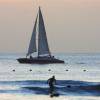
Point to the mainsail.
(43, 48)
(32, 45)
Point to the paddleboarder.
(51, 81)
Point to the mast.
(43, 48)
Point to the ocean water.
(79, 76)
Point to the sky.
(72, 26)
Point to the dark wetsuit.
(51, 83)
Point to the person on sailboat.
(31, 57)
(51, 81)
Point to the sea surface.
(79, 76)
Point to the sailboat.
(44, 55)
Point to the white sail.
(43, 48)
(32, 46)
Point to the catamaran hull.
(39, 61)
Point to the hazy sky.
(71, 25)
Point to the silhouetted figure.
(31, 57)
(51, 82)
